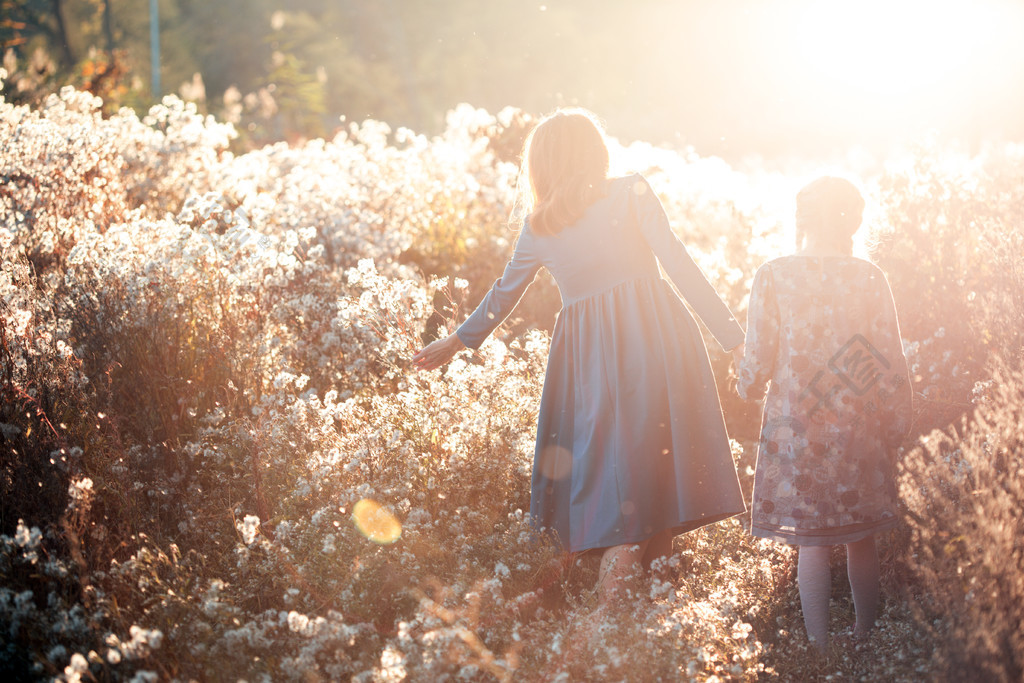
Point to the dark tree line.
(402, 61)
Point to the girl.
(631, 443)
(822, 333)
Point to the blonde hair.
(566, 162)
(831, 209)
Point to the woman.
(822, 333)
(631, 444)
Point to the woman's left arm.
(685, 274)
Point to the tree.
(27, 21)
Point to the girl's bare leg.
(862, 568)
(620, 567)
(815, 583)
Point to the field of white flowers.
(217, 464)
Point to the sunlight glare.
(895, 47)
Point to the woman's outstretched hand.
(437, 353)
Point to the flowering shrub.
(963, 492)
(951, 237)
(217, 462)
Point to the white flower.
(27, 538)
(76, 667)
(298, 622)
(248, 528)
(80, 489)
(21, 321)
(392, 664)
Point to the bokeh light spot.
(376, 522)
(556, 462)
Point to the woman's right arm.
(504, 294)
(496, 305)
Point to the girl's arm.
(680, 267)
(437, 353)
(499, 302)
(758, 364)
(895, 391)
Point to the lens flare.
(375, 522)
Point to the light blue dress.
(630, 438)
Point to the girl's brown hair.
(831, 209)
(567, 160)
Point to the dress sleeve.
(895, 393)
(680, 267)
(504, 294)
(762, 344)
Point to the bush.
(963, 491)
(951, 247)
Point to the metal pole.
(154, 46)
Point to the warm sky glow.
(900, 48)
(818, 76)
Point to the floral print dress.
(823, 339)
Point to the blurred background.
(732, 78)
